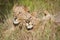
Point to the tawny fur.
(21, 13)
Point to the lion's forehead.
(24, 16)
(18, 9)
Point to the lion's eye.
(45, 14)
(19, 12)
(28, 11)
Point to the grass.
(53, 6)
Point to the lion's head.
(20, 13)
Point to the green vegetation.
(53, 6)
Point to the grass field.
(51, 30)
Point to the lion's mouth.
(15, 22)
(29, 26)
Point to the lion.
(21, 14)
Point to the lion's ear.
(26, 9)
(16, 5)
